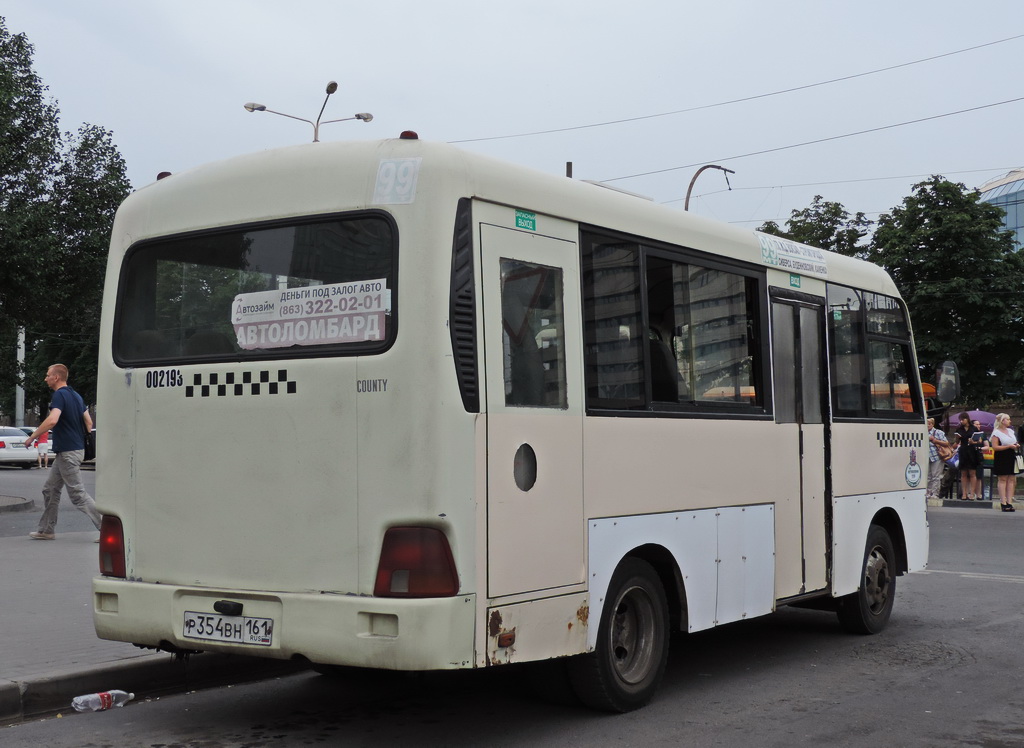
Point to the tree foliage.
(58, 195)
(826, 225)
(961, 275)
(29, 139)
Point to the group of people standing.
(969, 441)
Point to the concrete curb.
(977, 504)
(144, 676)
(16, 504)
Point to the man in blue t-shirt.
(68, 419)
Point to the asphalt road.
(946, 672)
(28, 484)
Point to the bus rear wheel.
(625, 668)
(867, 610)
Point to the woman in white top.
(1004, 446)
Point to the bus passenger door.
(798, 345)
(534, 392)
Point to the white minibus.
(395, 405)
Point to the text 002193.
(235, 629)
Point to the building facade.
(1007, 192)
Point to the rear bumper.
(385, 633)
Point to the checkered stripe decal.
(888, 439)
(232, 384)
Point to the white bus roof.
(321, 178)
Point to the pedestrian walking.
(43, 449)
(68, 420)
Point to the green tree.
(29, 138)
(58, 195)
(961, 276)
(826, 225)
(88, 186)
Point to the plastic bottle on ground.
(97, 702)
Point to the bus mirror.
(948, 385)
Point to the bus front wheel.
(867, 610)
(623, 671)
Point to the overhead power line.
(742, 99)
(813, 142)
(843, 181)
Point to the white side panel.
(726, 557)
(746, 568)
(851, 517)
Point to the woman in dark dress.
(969, 461)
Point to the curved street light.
(686, 205)
(331, 88)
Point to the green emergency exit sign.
(526, 220)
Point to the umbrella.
(986, 419)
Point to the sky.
(169, 80)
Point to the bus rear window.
(310, 288)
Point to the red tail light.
(416, 562)
(112, 548)
(3, 445)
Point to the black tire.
(867, 610)
(625, 668)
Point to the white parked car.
(13, 449)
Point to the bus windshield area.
(872, 362)
(305, 288)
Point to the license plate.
(235, 629)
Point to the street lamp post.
(686, 205)
(331, 88)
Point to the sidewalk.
(977, 504)
(50, 652)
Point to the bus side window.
(205, 342)
(665, 379)
(533, 335)
(147, 344)
(702, 348)
(612, 322)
